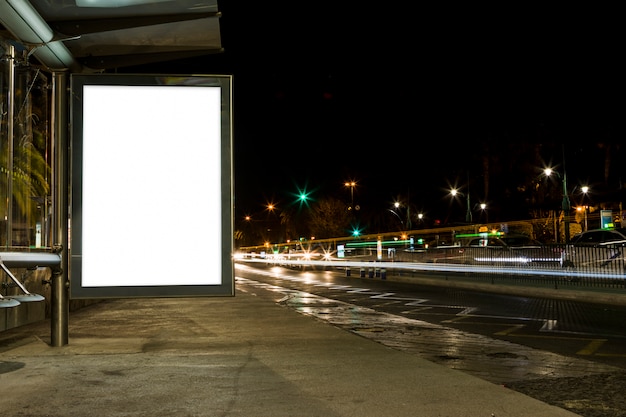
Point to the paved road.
(511, 341)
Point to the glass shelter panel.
(25, 170)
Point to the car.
(514, 250)
(600, 237)
(497, 250)
(597, 249)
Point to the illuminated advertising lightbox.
(151, 186)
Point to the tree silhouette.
(329, 217)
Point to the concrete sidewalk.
(230, 356)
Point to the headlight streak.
(447, 267)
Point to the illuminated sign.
(151, 200)
(606, 219)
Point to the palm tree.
(24, 170)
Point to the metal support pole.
(10, 139)
(60, 204)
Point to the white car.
(600, 237)
(516, 250)
(601, 249)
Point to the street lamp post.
(396, 212)
(398, 216)
(585, 190)
(351, 184)
(468, 212)
(565, 204)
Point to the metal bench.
(30, 260)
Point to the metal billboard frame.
(108, 257)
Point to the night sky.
(401, 98)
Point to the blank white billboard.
(151, 186)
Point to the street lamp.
(351, 184)
(260, 224)
(483, 207)
(565, 204)
(585, 190)
(396, 205)
(468, 212)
